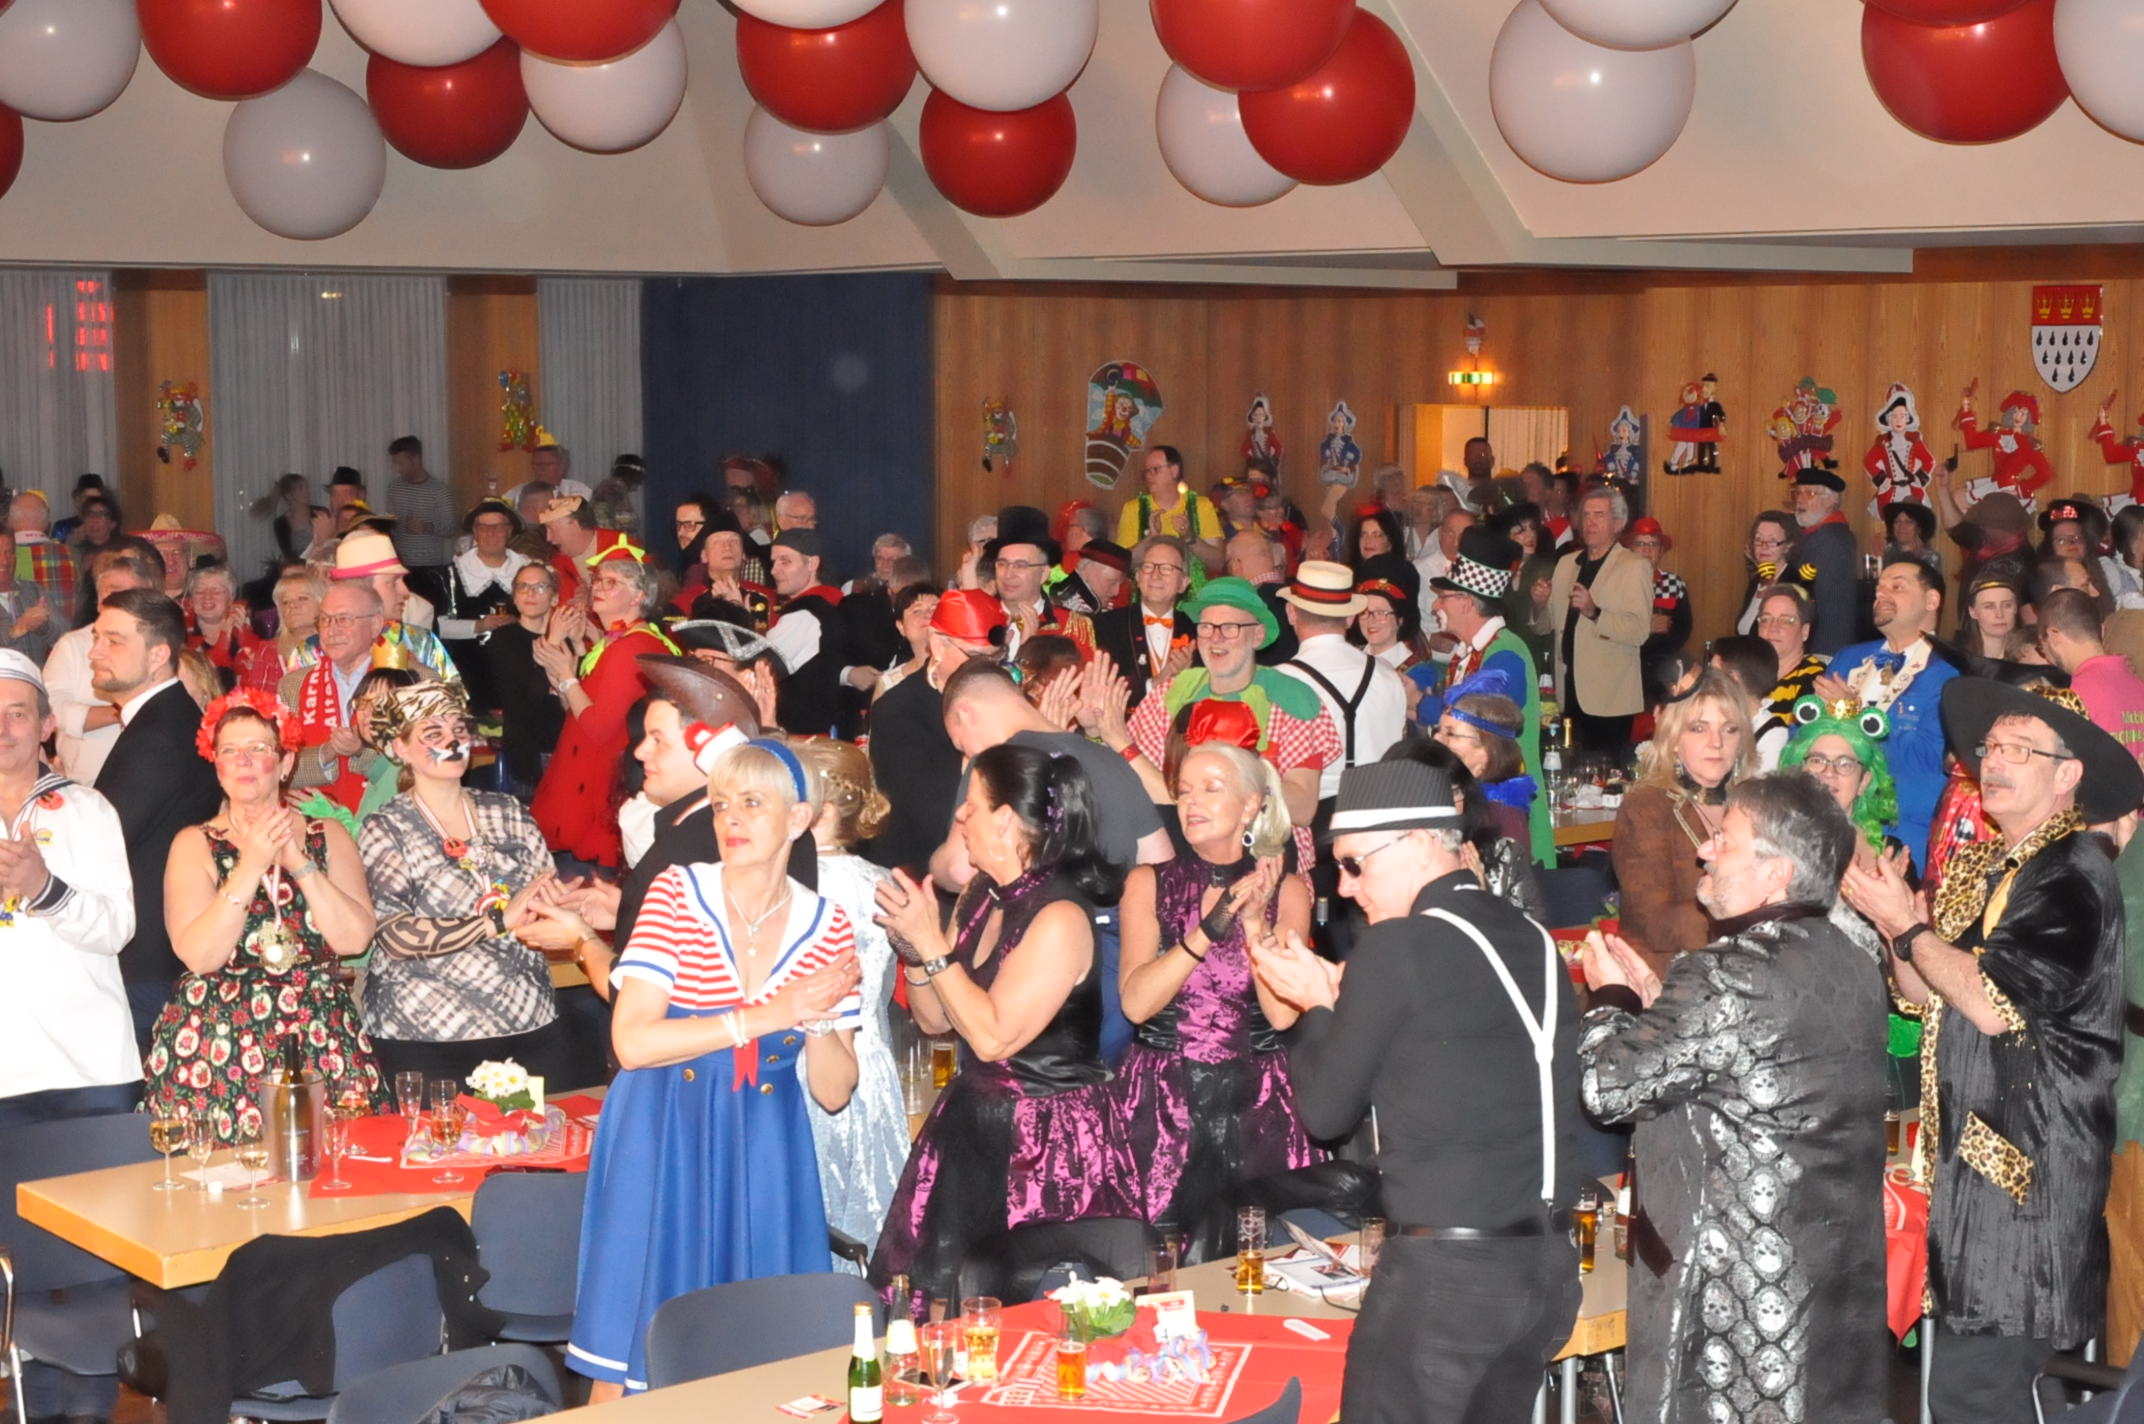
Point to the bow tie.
(1153, 622)
(1887, 661)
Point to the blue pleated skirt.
(692, 1182)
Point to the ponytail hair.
(1055, 803)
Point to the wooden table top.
(752, 1396)
(1585, 827)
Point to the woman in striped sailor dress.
(703, 1170)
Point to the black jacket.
(1823, 560)
(1121, 633)
(159, 784)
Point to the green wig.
(1863, 729)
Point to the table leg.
(1928, 1364)
(1615, 1391)
(1541, 1401)
(1567, 1410)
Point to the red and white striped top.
(681, 944)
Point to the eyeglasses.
(1224, 631)
(609, 583)
(692, 524)
(249, 751)
(2016, 753)
(344, 620)
(1015, 565)
(1350, 866)
(1778, 620)
(1150, 567)
(1837, 766)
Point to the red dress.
(576, 802)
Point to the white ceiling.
(1789, 161)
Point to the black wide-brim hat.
(1023, 524)
(1822, 478)
(2113, 783)
(2069, 511)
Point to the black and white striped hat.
(1393, 796)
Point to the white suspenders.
(1542, 1031)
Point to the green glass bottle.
(867, 1395)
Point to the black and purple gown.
(1030, 1139)
(1205, 1092)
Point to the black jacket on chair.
(159, 784)
(1121, 633)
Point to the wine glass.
(409, 1095)
(939, 1341)
(200, 1143)
(447, 1118)
(167, 1134)
(335, 1130)
(253, 1156)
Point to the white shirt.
(1381, 717)
(64, 1021)
(134, 704)
(1432, 565)
(1158, 635)
(82, 753)
(476, 576)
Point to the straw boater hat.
(1325, 589)
(1483, 567)
(1394, 796)
(563, 506)
(363, 553)
(2113, 783)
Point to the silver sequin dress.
(863, 1147)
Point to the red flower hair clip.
(266, 705)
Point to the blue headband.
(787, 758)
(1491, 682)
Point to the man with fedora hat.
(1602, 602)
(479, 588)
(1468, 601)
(2016, 970)
(1823, 559)
(809, 634)
(1020, 559)
(366, 556)
(1450, 986)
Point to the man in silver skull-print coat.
(1755, 1076)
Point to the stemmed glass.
(200, 1143)
(335, 1128)
(447, 1118)
(939, 1341)
(253, 1156)
(167, 1134)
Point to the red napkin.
(488, 1119)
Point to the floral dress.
(224, 1029)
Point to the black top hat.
(1484, 565)
(1023, 524)
(2113, 783)
(1818, 475)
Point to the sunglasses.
(1350, 866)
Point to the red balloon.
(998, 165)
(580, 31)
(1966, 83)
(1947, 12)
(454, 116)
(10, 148)
(1251, 44)
(230, 49)
(828, 81)
(1346, 118)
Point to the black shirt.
(531, 716)
(1588, 568)
(916, 765)
(1424, 1033)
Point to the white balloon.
(2100, 44)
(814, 178)
(306, 161)
(426, 33)
(1002, 55)
(807, 14)
(66, 59)
(1582, 112)
(1203, 142)
(614, 106)
(1636, 24)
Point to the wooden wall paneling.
(160, 333)
(491, 327)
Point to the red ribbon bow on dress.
(488, 1119)
(745, 1058)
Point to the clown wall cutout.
(1001, 435)
(1260, 440)
(2118, 451)
(1899, 463)
(1122, 405)
(1699, 424)
(1339, 457)
(180, 423)
(1802, 428)
(1624, 460)
(2020, 465)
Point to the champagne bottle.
(867, 1395)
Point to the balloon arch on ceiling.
(1262, 94)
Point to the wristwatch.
(1902, 944)
(932, 968)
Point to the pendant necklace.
(751, 924)
(491, 894)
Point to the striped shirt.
(681, 944)
(430, 500)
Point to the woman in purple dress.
(1204, 1091)
(1025, 1131)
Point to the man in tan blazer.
(1603, 602)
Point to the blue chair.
(528, 1235)
(82, 1333)
(408, 1393)
(390, 1317)
(746, 1323)
(2119, 1398)
(1285, 1410)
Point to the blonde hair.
(1254, 776)
(754, 768)
(1657, 764)
(843, 773)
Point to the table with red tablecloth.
(373, 1164)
